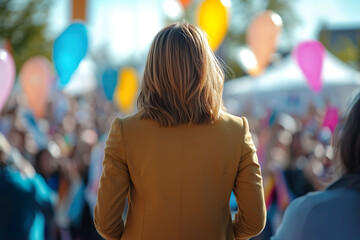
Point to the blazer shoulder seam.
(123, 138)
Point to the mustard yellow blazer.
(178, 181)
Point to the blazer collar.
(348, 181)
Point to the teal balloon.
(109, 82)
(68, 51)
(233, 203)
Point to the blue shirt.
(22, 199)
(331, 214)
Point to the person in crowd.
(181, 155)
(294, 175)
(25, 198)
(48, 168)
(333, 213)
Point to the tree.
(344, 43)
(23, 24)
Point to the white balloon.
(173, 9)
(83, 80)
(246, 59)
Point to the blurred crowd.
(64, 152)
(296, 156)
(65, 149)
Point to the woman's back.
(181, 179)
(178, 159)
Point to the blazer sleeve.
(248, 189)
(113, 187)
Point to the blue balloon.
(109, 81)
(68, 51)
(233, 203)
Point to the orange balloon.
(261, 37)
(213, 18)
(35, 79)
(185, 3)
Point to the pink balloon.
(310, 55)
(7, 76)
(331, 118)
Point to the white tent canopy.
(283, 87)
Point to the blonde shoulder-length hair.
(183, 81)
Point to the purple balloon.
(310, 56)
(7, 76)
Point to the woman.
(178, 159)
(335, 212)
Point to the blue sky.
(331, 12)
(125, 28)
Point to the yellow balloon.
(213, 18)
(126, 90)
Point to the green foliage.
(343, 47)
(24, 23)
